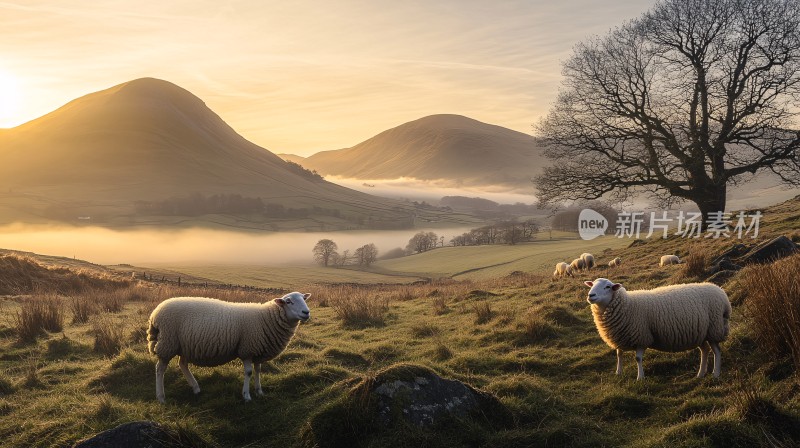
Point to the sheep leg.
(639, 359)
(189, 377)
(257, 368)
(705, 349)
(619, 362)
(248, 370)
(717, 358)
(161, 367)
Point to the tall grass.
(773, 305)
(357, 306)
(37, 315)
(695, 264)
(109, 336)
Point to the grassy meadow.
(73, 361)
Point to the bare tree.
(422, 242)
(687, 99)
(366, 254)
(325, 251)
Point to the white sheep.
(615, 262)
(669, 259)
(672, 318)
(563, 270)
(588, 260)
(578, 264)
(209, 332)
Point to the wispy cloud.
(304, 76)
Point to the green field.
(525, 338)
(472, 262)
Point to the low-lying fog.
(195, 246)
(432, 191)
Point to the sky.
(304, 76)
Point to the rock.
(723, 264)
(770, 251)
(636, 242)
(422, 398)
(736, 251)
(721, 277)
(143, 434)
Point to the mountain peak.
(152, 88)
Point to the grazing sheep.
(563, 270)
(209, 332)
(672, 318)
(578, 264)
(588, 260)
(615, 263)
(669, 259)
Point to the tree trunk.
(713, 199)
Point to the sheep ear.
(616, 286)
(588, 283)
(306, 296)
(280, 302)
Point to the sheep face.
(602, 291)
(294, 304)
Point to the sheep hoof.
(161, 400)
(196, 390)
(247, 398)
(260, 392)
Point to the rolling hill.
(452, 148)
(147, 141)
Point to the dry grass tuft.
(38, 314)
(109, 336)
(358, 307)
(695, 264)
(483, 312)
(773, 305)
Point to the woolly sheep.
(588, 260)
(615, 262)
(562, 270)
(669, 259)
(209, 332)
(672, 318)
(578, 264)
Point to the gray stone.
(143, 434)
(423, 398)
(770, 251)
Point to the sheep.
(615, 263)
(562, 270)
(669, 259)
(670, 318)
(578, 264)
(209, 332)
(588, 260)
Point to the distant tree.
(692, 96)
(324, 251)
(341, 259)
(422, 241)
(366, 254)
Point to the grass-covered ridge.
(525, 338)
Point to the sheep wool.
(578, 264)
(210, 332)
(588, 260)
(669, 259)
(671, 318)
(615, 262)
(562, 270)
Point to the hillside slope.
(452, 148)
(150, 140)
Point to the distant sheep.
(210, 332)
(578, 264)
(615, 263)
(588, 260)
(669, 259)
(671, 318)
(563, 270)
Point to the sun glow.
(9, 99)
